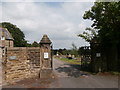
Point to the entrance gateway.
(24, 62)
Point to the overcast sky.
(61, 21)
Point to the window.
(2, 38)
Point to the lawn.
(71, 61)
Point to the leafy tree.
(84, 50)
(17, 34)
(89, 34)
(60, 51)
(28, 44)
(65, 51)
(35, 44)
(74, 47)
(74, 50)
(106, 20)
(106, 17)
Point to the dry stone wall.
(22, 62)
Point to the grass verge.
(71, 61)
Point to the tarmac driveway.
(68, 76)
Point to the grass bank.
(71, 61)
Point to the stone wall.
(0, 54)
(22, 62)
(6, 43)
(46, 62)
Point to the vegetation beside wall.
(71, 61)
(104, 35)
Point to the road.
(0, 76)
(68, 76)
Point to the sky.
(61, 21)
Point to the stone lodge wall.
(6, 43)
(21, 62)
(0, 54)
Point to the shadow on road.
(71, 70)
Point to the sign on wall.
(12, 58)
(98, 55)
(46, 55)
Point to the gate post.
(46, 57)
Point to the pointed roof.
(5, 33)
(45, 40)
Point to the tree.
(17, 34)
(89, 34)
(106, 19)
(74, 50)
(35, 44)
(64, 51)
(74, 47)
(29, 45)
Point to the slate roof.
(5, 33)
(45, 40)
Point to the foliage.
(106, 17)
(89, 34)
(106, 20)
(74, 50)
(17, 34)
(84, 50)
(35, 44)
(29, 45)
(74, 47)
(71, 61)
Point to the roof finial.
(45, 40)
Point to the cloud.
(50, 0)
(61, 24)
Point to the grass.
(115, 73)
(71, 61)
(77, 62)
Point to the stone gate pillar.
(46, 55)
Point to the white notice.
(98, 54)
(45, 55)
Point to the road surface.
(68, 76)
(0, 76)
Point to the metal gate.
(85, 53)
